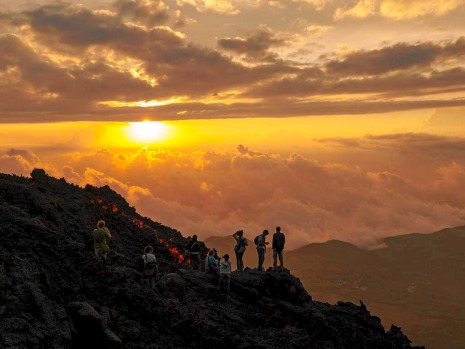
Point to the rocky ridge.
(53, 293)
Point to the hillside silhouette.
(416, 281)
(54, 294)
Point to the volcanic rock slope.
(54, 294)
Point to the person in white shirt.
(225, 274)
(150, 265)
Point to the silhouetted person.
(193, 251)
(101, 234)
(278, 246)
(225, 274)
(150, 265)
(239, 249)
(261, 248)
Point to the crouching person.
(150, 265)
(225, 274)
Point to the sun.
(147, 131)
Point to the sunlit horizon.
(148, 131)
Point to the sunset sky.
(336, 119)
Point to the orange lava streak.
(106, 206)
(141, 225)
(173, 250)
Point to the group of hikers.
(213, 264)
(278, 242)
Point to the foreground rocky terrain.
(54, 294)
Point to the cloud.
(451, 177)
(449, 121)
(18, 162)
(149, 12)
(362, 9)
(256, 45)
(317, 4)
(217, 6)
(163, 53)
(317, 30)
(160, 62)
(380, 186)
(81, 28)
(397, 84)
(401, 56)
(43, 85)
(398, 9)
(132, 193)
(368, 188)
(67, 62)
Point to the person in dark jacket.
(278, 246)
(193, 251)
(239, 249)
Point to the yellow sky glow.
(262, 133)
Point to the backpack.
(255, 240)
(149, 265)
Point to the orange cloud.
(218, 6)
(66, 62)
(398, 9)
(373, 187)
(363, 9)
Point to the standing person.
(211, 263)
(278, 246)
(150, 265)
(193, 250)
(101, 234)
(239, 249)
(261, 243)
(225, 274)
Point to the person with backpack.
(101, 234)
(279, 239)
(225, 274)
(150, 265)
(260, 242)
(193, 252)
(211, 263)
(239, 249)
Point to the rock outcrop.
(54, 294)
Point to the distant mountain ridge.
(54, 294)
(417, 280)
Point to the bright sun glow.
(147, 131)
